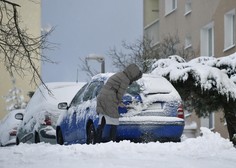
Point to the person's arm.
(121, 91)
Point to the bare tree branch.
(85, 67)
(143, 53)
(170, 45)
(19, 51)
(140, 52)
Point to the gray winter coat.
(112, 92)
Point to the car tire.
(177, 140)
(60, 139)
(91, 134)
(36, 138)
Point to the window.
(188, 6)
(209, 121)
(78, 97)
(92, 90)
(98, 89)
(152, 32)
(89, 91)
(229, 29)
(207, 40)
(210, 41)
(188, 42)
(134, 89)
(212, 121)
(170, 6)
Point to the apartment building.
(206, 26)
(30, 14)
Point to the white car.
(8, 127)
(41, 114)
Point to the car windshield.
(133, 89)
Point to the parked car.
(153, 112)
(8, 127)
(41, 114)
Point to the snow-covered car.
(41, 113)
(8, 127)
(153, 112)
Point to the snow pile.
(209, 150)
(209, 144)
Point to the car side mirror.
(63, 106)
(19, 116)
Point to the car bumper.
(11, 141)
(150, 128)
(47, 134)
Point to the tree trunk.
(230, 116)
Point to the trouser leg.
(100, 130)
(113, 133)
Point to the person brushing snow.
(110, 97)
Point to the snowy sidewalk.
(207, 151)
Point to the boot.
(113, 133)
(100, 130)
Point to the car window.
(92, 90)
(133, 89)
(78, 97)
(98, 89)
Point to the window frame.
(229, 30)
(207, 40)
(152, 32)
(170, 6)
(188, 42)
(208, 121)
(188, 7)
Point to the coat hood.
(133, 72)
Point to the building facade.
(207, 27)
(30, 15)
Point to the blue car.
(152, 112)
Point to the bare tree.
(143, 53)
(140, 52)
(20, 51)
(87, 68)
(171, 45)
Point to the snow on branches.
(208, 72)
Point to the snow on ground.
(209, 150)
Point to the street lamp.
(98, 58)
